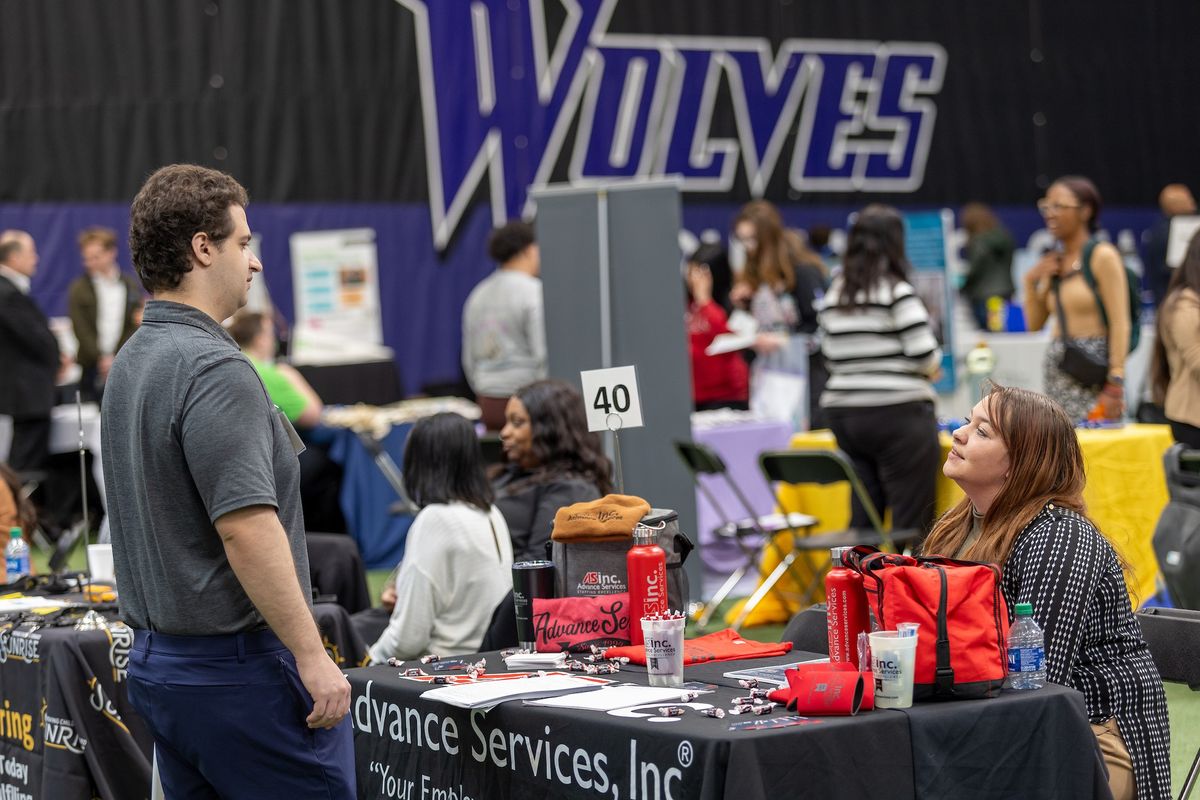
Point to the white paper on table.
(611, 698)
(30, 603)
(485, 694)
(525, 661)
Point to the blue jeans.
(228, 718)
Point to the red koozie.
(647, 566)
(846, 616)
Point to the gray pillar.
(614, 296)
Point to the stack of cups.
(663, 635)
(893, 662)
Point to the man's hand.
(329, 688)
(104, 365)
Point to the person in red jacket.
(720, 381)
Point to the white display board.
(1183, 228)
(336, 279)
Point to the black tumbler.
(531, 579)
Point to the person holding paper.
(228, 669)
(1175, 365)
(458, 557)
(1019, 463)
(780, 285)
(721, 380)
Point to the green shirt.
(281, 390)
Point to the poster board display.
(927, 241)
(336, 278)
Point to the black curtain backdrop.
(318, 100)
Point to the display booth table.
(1125, 494)
(67, 730)
(1021, 744)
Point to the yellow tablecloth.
(1126, 491)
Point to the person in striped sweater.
(882, 353)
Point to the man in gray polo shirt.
(228, 668)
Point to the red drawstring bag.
(962, 646)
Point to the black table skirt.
(1021, 744)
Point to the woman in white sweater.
(458, 558)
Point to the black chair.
(753, 533)
(1173, 635)
(336, 569)
(807, 630)
(823, 468)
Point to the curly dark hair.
(508, 241)
(562, 444)
(174, 204)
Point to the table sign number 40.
(610, 397)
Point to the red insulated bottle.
(647, 567)
(846, 616)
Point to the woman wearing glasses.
(1097, 319)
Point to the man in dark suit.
(29, 357)
(101, 305)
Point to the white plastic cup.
(893, 662)
(664, 650)
(100, 563)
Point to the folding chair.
(753, 534)
(808, 631)
(1173, 636)
(822, 467)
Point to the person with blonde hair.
(780, 285)
(1019, 463)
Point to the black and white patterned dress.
(1070, 573)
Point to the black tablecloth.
(1021, 744)
(67, 731)
(374, 382)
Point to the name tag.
(293, 437)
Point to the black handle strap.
(1058, 309)
(944, 676)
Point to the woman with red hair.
(1019, 463)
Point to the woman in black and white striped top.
(881, 353)
(1020, 465)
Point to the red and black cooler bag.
(961, 652)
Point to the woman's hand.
(1112, 402)
(769, 342)
(740, 294)
(1046, 267)
(387, 598)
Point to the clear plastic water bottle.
(1026, 651)
(16, 556)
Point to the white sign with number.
(611, 399)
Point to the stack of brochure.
(486, 694)
(520, 661)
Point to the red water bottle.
(846, 616)
(646, 563)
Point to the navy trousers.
(227, 714)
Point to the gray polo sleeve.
(227, 435)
